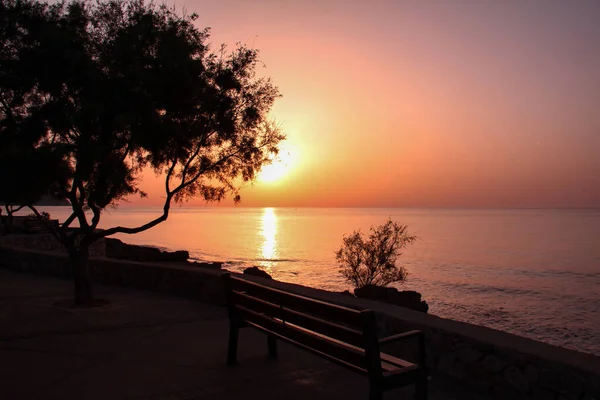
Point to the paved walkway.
(149, 346)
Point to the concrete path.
(149, 346)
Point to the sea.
(530, 272)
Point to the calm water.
(535, 273)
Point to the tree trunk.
(82, 277)
(8, 221)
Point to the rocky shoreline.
(118, 249)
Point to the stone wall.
(495, 364)
(105, 247)
(203, 284)
(501, 365)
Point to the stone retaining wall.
(495, 364)
(502, 365)
(203, 284)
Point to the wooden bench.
(342, 335)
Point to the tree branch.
(120, 229)
(189, 162)
(68, 221)
(14, 210)
(95, 218)
(48, 226)
(77, 203)
(168, 177)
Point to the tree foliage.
(372, 260)
(113, 88)
(27, 171)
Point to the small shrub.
(372, 260)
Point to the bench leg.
(421, 387)
(375, 392)
(234, 331)
(272, 345)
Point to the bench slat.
(395, 361)
(308, 338)
(312, 323)
(389, 363)
(331, 312)
(310, 349)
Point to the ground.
(151, 346)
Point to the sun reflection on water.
(269, 247)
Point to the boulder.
(255, 271)
(123, 251)
(211, 265)
(406, 298)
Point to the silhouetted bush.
(372, 260)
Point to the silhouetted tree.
(372, 260)
(113, 88)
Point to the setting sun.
(280, 166)
(273, 172)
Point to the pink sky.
(422, 103)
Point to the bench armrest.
(420, 336)
(400, 336)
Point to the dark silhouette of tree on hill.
(112, 88)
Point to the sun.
(279, 168)
(273, 172)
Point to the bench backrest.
(341, 334)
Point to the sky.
(423, 103)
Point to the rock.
(446, 363)
(407, 298)
(505, 393)
(493, 364)
(123, 251)
(531, 373)
(468, 355)
(211, 265)
(539, 393)
(255, 271)
(572, 384)
(448, 366)
(550, 380)
(480, 386)
(515, 379)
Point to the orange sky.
(422, 103)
